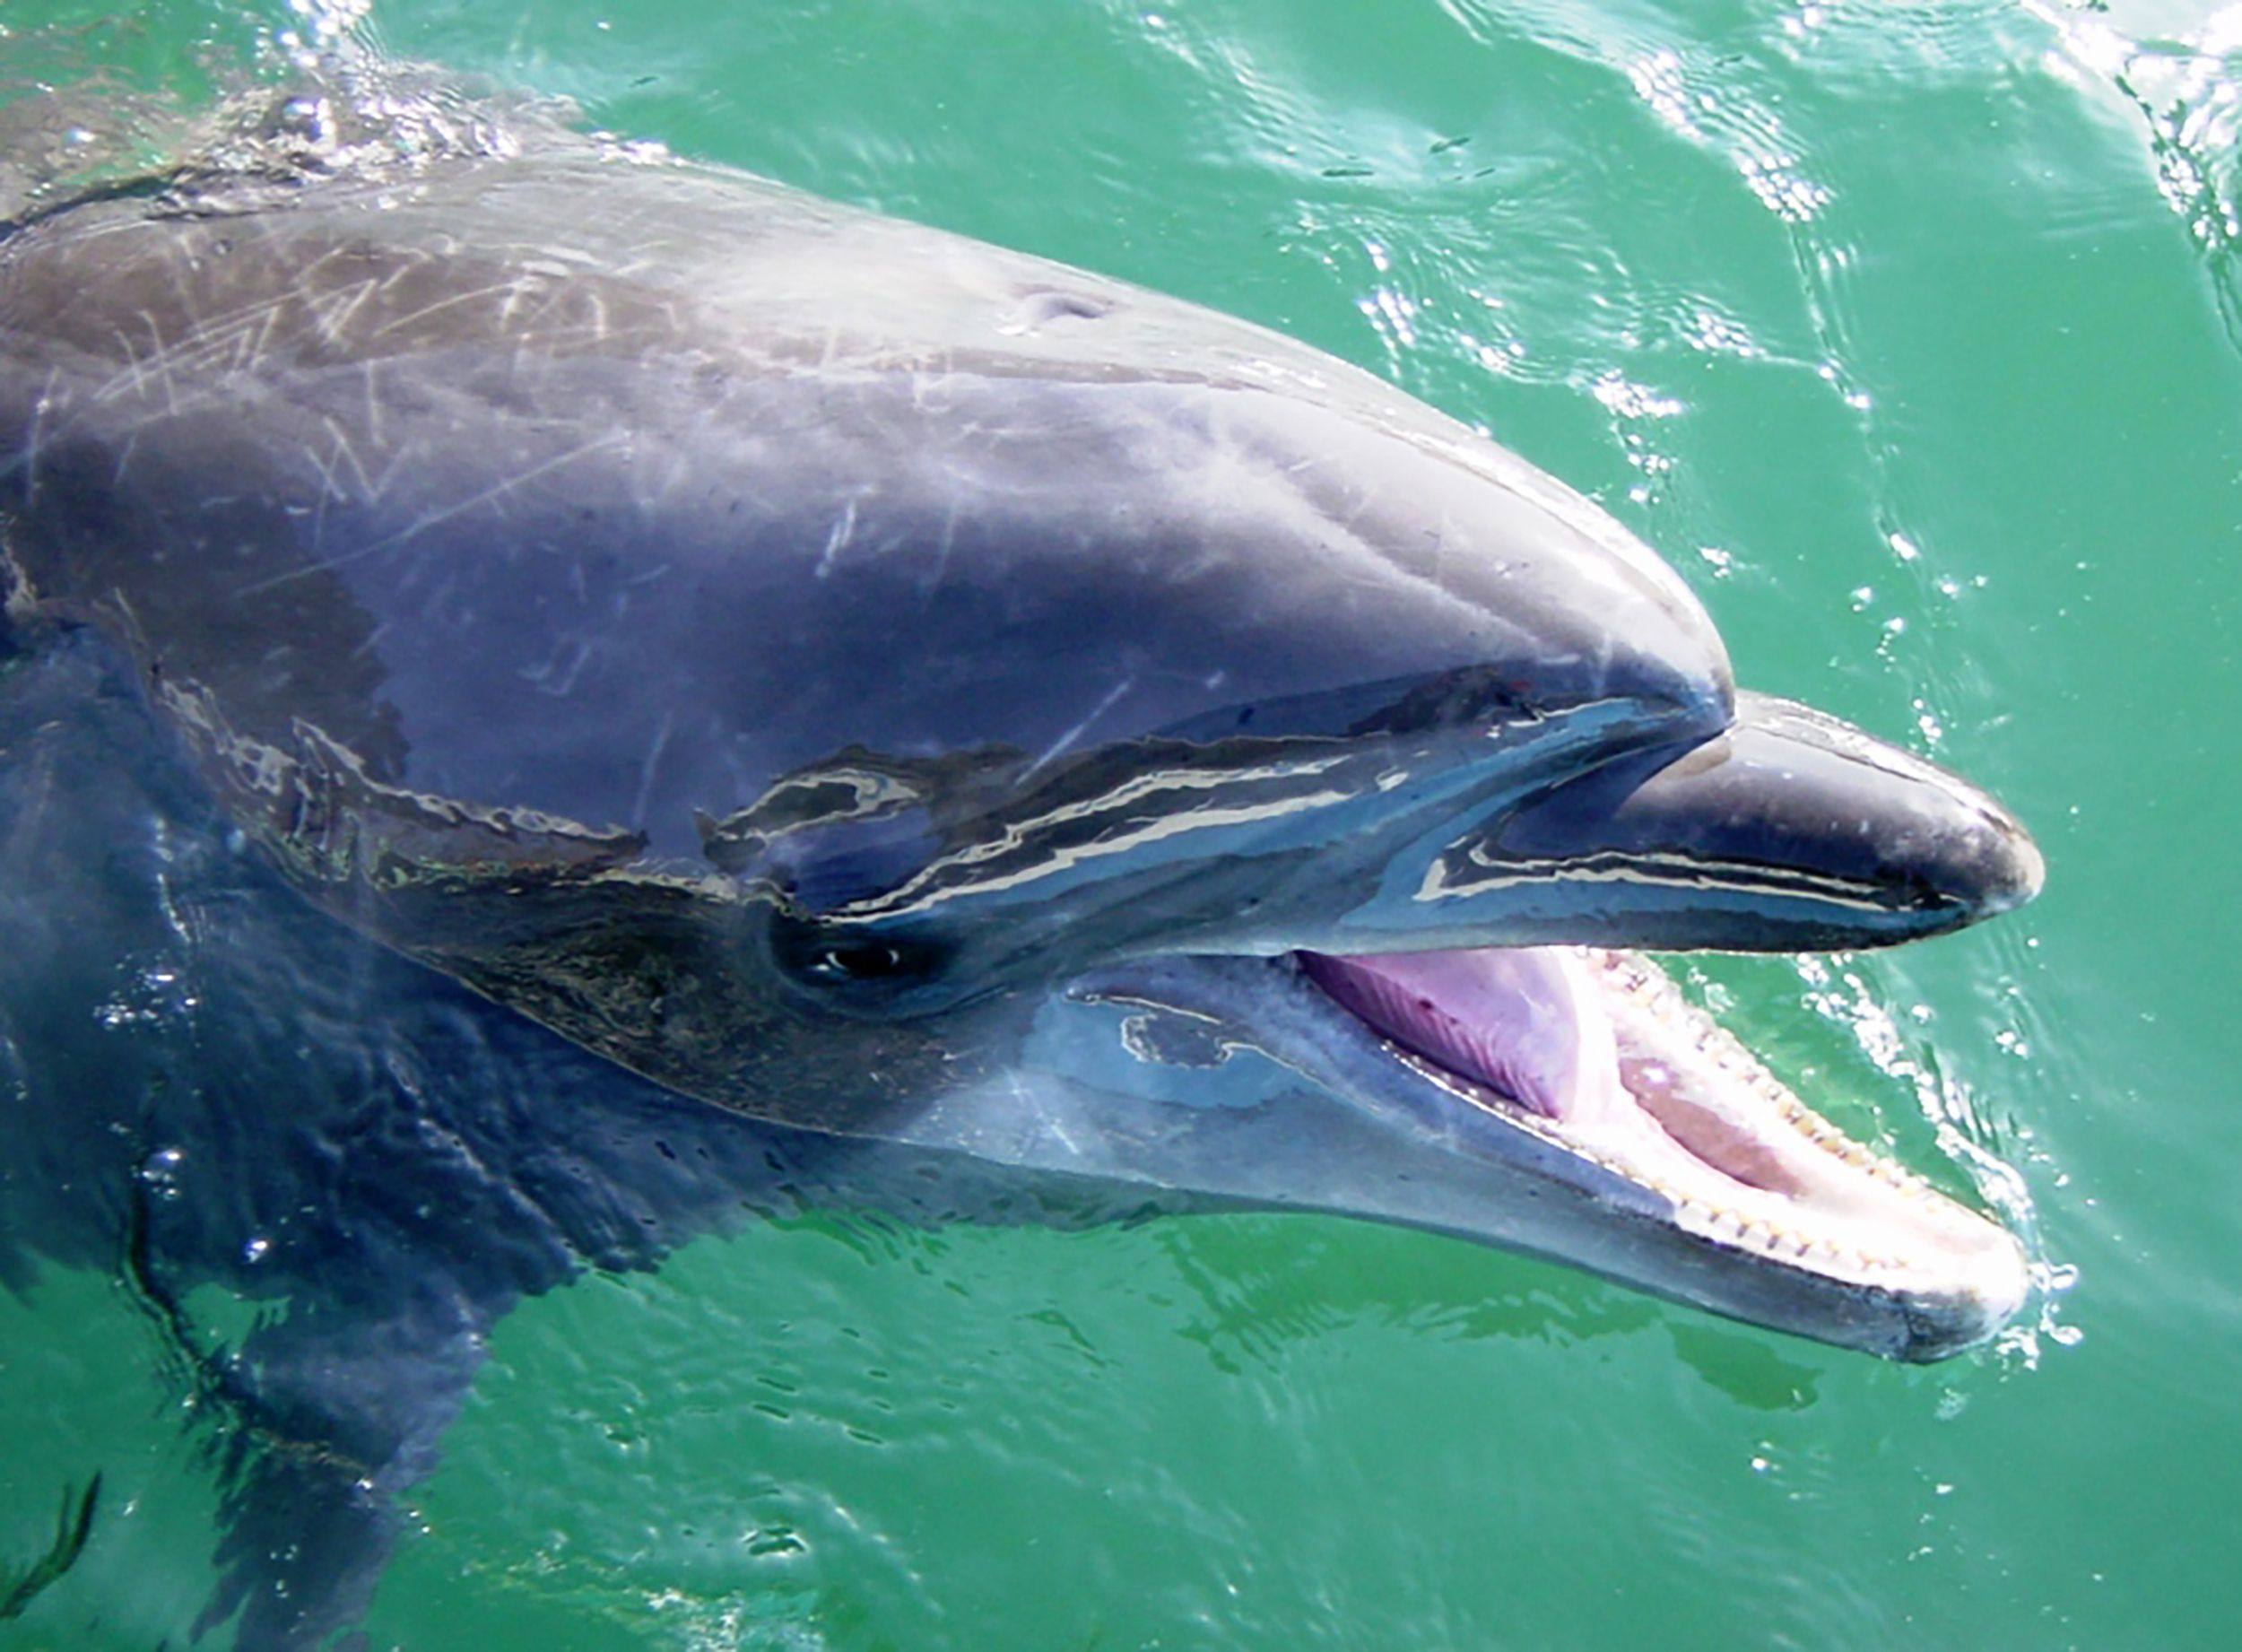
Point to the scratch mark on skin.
(257, 346)
(553, 294)
(1113, 696)
(412, 264)
(497, 489)
(943, 548)
(368, 648)
(653, 762)
(510, 289)
(1439, 537)
(515, 289)
(161, 360)
(672, 483)
(556, 676)
(328, 489)
(126, 379)
(30, 444)
(373, 406)
(844, 529)
(333, 311)
(207, 343)
(370, 487)
(1029, 1105)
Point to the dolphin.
(790, 675)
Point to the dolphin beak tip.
(2031, 875)
(2009, 870)
(1940, 1329)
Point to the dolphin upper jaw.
(1256, 844)
(1790, 830)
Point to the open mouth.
(1597, 1053)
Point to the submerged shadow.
(202, 1082)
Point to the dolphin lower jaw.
(1701, 1177)
(1743, 1171)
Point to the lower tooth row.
(1783, 1242)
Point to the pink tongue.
(1523, 1020)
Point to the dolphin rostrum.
(915, 693)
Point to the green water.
(1908, 333)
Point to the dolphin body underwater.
(905, 724)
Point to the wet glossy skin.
(790, 653)
(412, 491)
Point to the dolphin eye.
(830, 958)
(873, 960)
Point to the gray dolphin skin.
(879, 683)
(876, 683)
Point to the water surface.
(1910, 334)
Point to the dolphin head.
(1298, 861)
(1343, 760)
(1037, 718)
(1386, 970)
(1394, 981)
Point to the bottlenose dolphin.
(878, 699)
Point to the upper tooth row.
(1656, 992)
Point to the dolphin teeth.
(1733, 1156)
(1637, 981)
